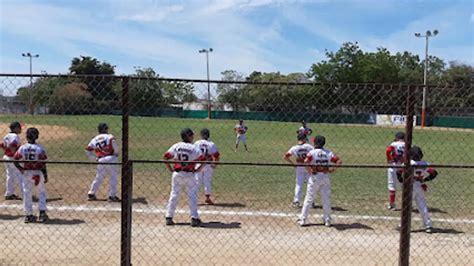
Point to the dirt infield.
(90, 234)
(60, 132)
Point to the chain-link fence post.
(126, 220)
(405, 227)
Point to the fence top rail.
(466, 166)
(311, 83)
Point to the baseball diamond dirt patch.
(90, 234)
(47, 132)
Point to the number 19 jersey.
(186, 152)
(300, 151)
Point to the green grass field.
(262, 187)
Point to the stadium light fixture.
(207, 51)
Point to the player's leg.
(244, 141)
(12, 179)
(237, 141)
(27, 196)
(42, 196)
(176, 183)
(99, 177)
(309, 198)
(419, 196)
(207, 173)
(325, 190)
(112, 171)
(192, 191)
(392, 187)
(300, 178)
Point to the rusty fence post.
(127, 168)
(407, 195)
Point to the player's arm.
(114, 146)
(90, 153)
(390, 154)
(167, 156)
(215, 158)
(17, 157)
(44, 170)
(307, 162)
(310, 131)
(337, 161)
(432, 174)
(287, 157)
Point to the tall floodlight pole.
(423, 105)
(31, 56)
(207, 51)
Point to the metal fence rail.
(252, 219)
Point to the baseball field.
(253, 203)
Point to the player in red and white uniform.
(305, 130)
(183, 176)
(394, 154)
(299, 152)
(35, 175)
(11, 143)
(210, 152)
(103, 149)
(319, 161)
(241, 130)
(422, 173)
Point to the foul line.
(153, 210)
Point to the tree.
(231, 93)
(72, 98)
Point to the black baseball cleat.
(195, 222)
(43, 217)
(169, 221)
(91, 197)
(429, 230)
(12, 197)
(113, 199)
(30, 219)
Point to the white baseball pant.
(318, 182)
(183, 180)
(241, 138)
(392, 179)
(29, 180)
(102, 171)
(419, 197)
(301, 176)
(205, 177)
(14, 176)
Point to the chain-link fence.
(251, 214)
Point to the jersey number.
(183, 157)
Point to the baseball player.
(35, 175)
(210, 152)
(183, 176)
(240, 130)
(11, 143)
(319, 160)
(103, 149)
(299, 152)
(422, 173)
(394, 153)
(305, 130)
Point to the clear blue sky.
(263, 35)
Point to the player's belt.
(182, 170)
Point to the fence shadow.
(334, 208)
(220, 225)
(9, 217)
(440, 231)
(59, 221)
(140, 200)
(225, 205)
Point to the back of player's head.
(400, 136)
(301, 136)
(205, 133)
(14, 125)
(32, 134)
(102, 128)
(241, 121)
(186, 134)
(319, 141)
(416, 153)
